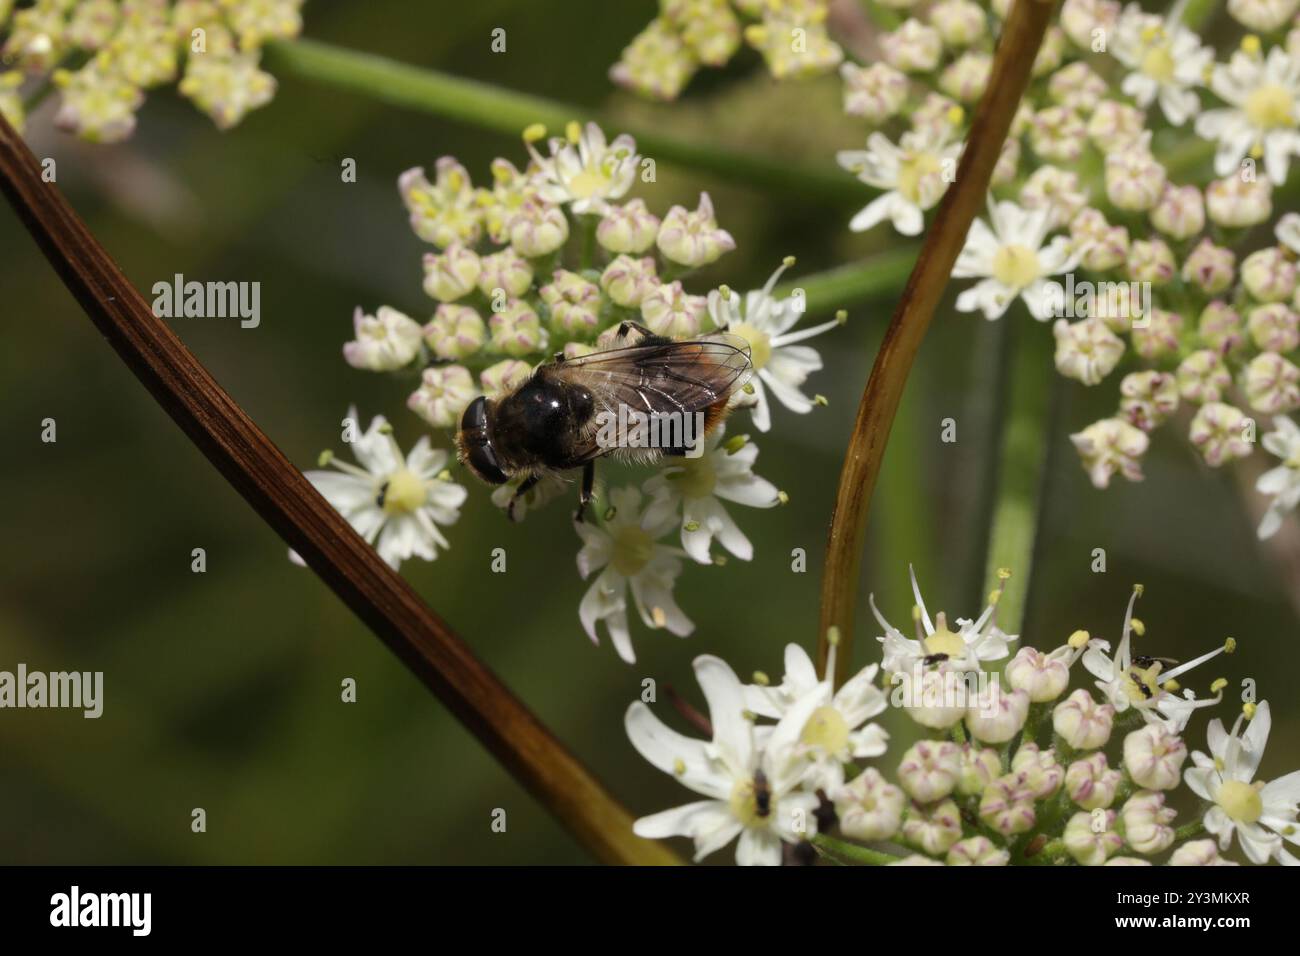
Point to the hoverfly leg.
(624, 328)
(588, 483)
(524, 487)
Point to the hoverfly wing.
(658, 378)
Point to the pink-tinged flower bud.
(929, 769)
(1100, 245)
(1126, 861)
(1135, 180)
(1148, 398)
(537, 229)
(1145, 818)
(1086, 350)
(1058, 134)
(1154, 757)
(1055, 189)
(1041, 773)
(1091, 838)
(693, 238)
(455, 332)
(966, 77)
(627, 281)
(912, 48)
(933, 829)
(1220, 327)
(500, 378)
(1007, 805)
(869, 808)
(1091, 783)
(1237, 203)
(670, 311)
(977, 851)
(875, 93)
(959, 22)
(443, 394)
(385, 341)
(1151, 260)
(1272, 384)
(1115, 125)
(1210, 268)
(1269, 275)
(657, 63)
(1080, 18)
(979, 768)
(1043, 677)
(226, 86)
(452, 273)
(516, 330)
(1219, 431)
(506, 270)
(1180, 213)
(1160, 337)
(1109, 447)
(574, 302)
(1077, 87)
(1202, 376)
(1082, 722)
(1274, 327)
(933, 698)
(444, 211)
(630, 228)
(997, 715)
(1199, 853)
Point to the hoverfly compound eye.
(476, 443)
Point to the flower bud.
(670, 311)
(1042, 676)
(1007, 805)
(1236, 203)
(1081, 722)
(1135, 181)
(912, 48)
(537, 229)
(1091, 837)
(443, 394)
(693, 238)
(1154, 757)
(506, 270)
(1274, 327)
(1091, 782)
(1086, 350)
(979, 767)
(1145, 818)
(629, 228)
(1148, 398)
(1202, 376)
(1160, 337)
(1219, 433)
(1180, 213)
(977, 851)
(1151, 260)
(627, 281)
(933, 829)
(995, 716)
(1108, 447)
(1210, 268)
(1272, 384)
(574, 302)
(1039, 769)
(1199, 853)
(452, 273)
(1269, 275)
(505, 375)
(384, 341)
(874, 93)
(929, 769)
(869, 808)
(1220, 327)
(959, 22)
(1115, 126)
(516, 330)
(455, 332)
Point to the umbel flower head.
(798, 761)
(103, 56)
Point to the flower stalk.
(1012, 61)
(285, 500)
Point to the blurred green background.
(222, 689)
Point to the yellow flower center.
(760, 343)
(1141, 684)
(633, 548)
(1158, 63)
(697, 477)
(912, 171)
(588, 183)
(1016, 266)
(1271, 107)
(944, 641)
(744, 803)
(405, 491)
(1240, 801)
(827, 729)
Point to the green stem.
(1189, 831)
(850, 854)
(880, 275)
(509, 112)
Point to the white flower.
(1261, 814)
(700, 485)
(584, 170)
(1129, 680)
(1263, 94)
(874, 93)
(766, 323)
(837, 729)
(914, 174)
(384, 341)
(749, 792)
(626, 548)
(1166, 61)
(963, 649)
(395, 501)
(1086, 350)
(1011, 259)
(1283, 481)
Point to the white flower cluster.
(553, 259)
(1013, 770)
(688, 34)
(1128, 260)
(103, 54)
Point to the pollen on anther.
(761, 679)
(679, 767)
(1230, 646)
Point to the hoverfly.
(554, 420)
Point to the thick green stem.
(509, 112)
